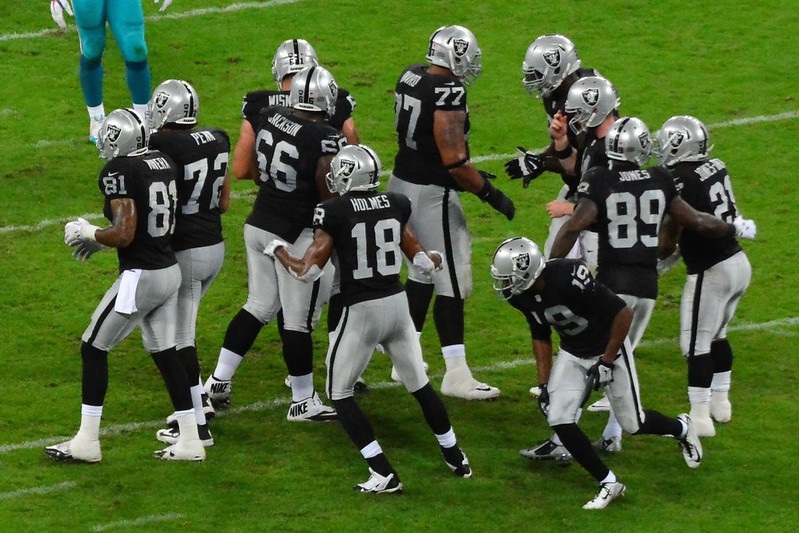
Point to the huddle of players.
(579, 104)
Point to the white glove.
(601, 374)
(57, 9)
(164, 5)
(78, 231)
(439, 254)
(744, 227)
(272, 247)
(423, 262)
(84, 250)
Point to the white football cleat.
(607, 493)
(186, 450)
(460, 384)
(311, 409)
(377, 484)
(171, 435)
(218, 391)
(548, 451)
(77, 449)
(720, 407)
(611, 445)
(690, 446)
(602, 404)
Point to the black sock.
(188, 357)
(721, 353)
(433, 409)
(700, 370)
(448, 316)
(94, 383)
(360, 431)
(175, 378)
(581, 449)
(297, 352)
(419, 296)
(242, 332)
(656, 423)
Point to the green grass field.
(731, 67)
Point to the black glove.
(495, 198)
(528, 166)
(601, 374)
(543, 399)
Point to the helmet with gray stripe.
(123, 133)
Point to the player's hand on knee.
(601, 373)
(273, 246)
(543, 399)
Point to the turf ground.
(732, 67)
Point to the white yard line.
(772, 325)
(144, 520)
(169, 15)
(35, 491)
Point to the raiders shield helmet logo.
(590, 97)
(552, 57)
(521, 262)
(112, 133)
(460, 46)
(161, 98)
(676, 139)
(346, 167)
(645, 141)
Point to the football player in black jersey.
(369, 232)
(201, 157)
(592, 324)
(293, 148)
(627, 205)
(290, 57)
(718, 269)
(140, 201)
(551, 66)
(431, 167)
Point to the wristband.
(457, 164)
(565, 153)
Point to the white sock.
(447, 440)
(197, 402)
(721, 381)
(227, 364)
(187, 425)
(90, 416)
(454, 357)
(372, 449)
(698, 395)
(96, 111)
(610, 478)
(301, 387)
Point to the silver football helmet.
(548, 61)
(291, 57)
(629, 140)
(123, 133)
(314, 89)
(173, 102)
(591, 100)
(355, 168)
(455, 48)
(516, 265)
(682, 138)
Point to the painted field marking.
(35, 491)
(771, 325)
(144, 520)
(191, 13)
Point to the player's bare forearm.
(543, 359)
(123, 228)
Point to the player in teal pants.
(126, 20)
